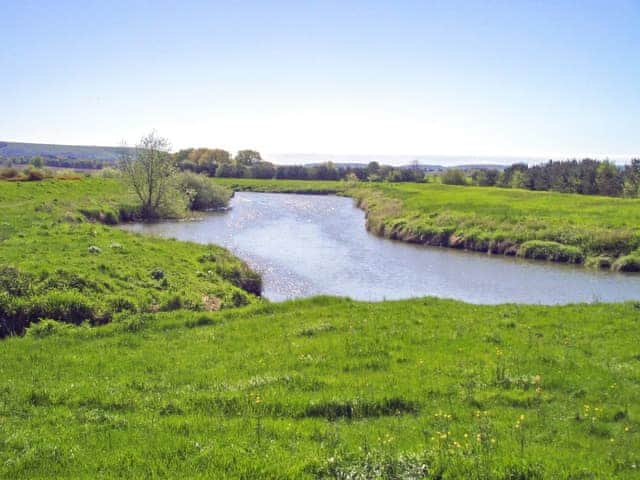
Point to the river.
(306, 245)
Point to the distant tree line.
(587, 177)
(55, 162)
(249, 164)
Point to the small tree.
(152, 173)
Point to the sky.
(552, 79)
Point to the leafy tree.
(453, 176)
(632, 178)
(262, 170)
(37, 162)
(152, 173)
(226, 170)
(248, 157)
(608, 179)
(373, 168)
(325, 171)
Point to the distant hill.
(71, 153)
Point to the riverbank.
(56, 262)
(600, 232)
(319, 388)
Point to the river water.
(306, 245)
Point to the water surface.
(307, 245)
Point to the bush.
(203, 193)
(554, 251)
(453, 176)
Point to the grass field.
(329, 388)
(318, 388)
(74, 269)
(574, 228)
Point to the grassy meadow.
(328, 388)
(55, 262)
(599, 231)
(191, 375)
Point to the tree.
(263, 170)
(152, 173)
(248, 157)
(373, 168)
(453, 176)
(632, 178)
(608, 179)
(37, 162)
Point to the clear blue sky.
(539, 78)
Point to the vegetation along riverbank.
(167, 386)
(57, 261)
(603, 232)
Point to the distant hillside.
(71, 153)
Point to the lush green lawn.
(329, 387)
(323, 387)
(489, 219)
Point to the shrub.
(203, 194)
(554, 251)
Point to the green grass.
(285, 186)
(73, 265)
(486, 219)
(319, 388)
(326, 387)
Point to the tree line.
(587, 177)
(249, 164)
